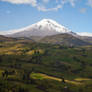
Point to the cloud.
(85, 34)
(45, 1)
(72, 2)
(32, 2)
(42, 5)
(83, 10)
(35, 3)
(42, 8)
(89, 3)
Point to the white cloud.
(40, 4)
(32, 2)
(85, 34)
(89, 3)
(72, 2)
(42, 8)
(45, 1)
(60, 4)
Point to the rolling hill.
(64, 39)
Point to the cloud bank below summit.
(85, 34)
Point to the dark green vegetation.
(26, 66)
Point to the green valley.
(28, 66)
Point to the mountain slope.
(45, 27)
(86, 38)
(49, 31)
(64, 39)
(3, 38)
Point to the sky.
(76, 15)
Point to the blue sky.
(74, 14)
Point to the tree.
(0, 59)
(63, 80)
(5, 74)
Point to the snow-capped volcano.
(51, 25)
(45, 27)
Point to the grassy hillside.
(87, 39)
(39, 67)
(3, 39)
(65, 39)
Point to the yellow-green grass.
(16, 49)
(82, 79)
(44, 76)
(1, 72)
(14, 76)
(31, 52)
